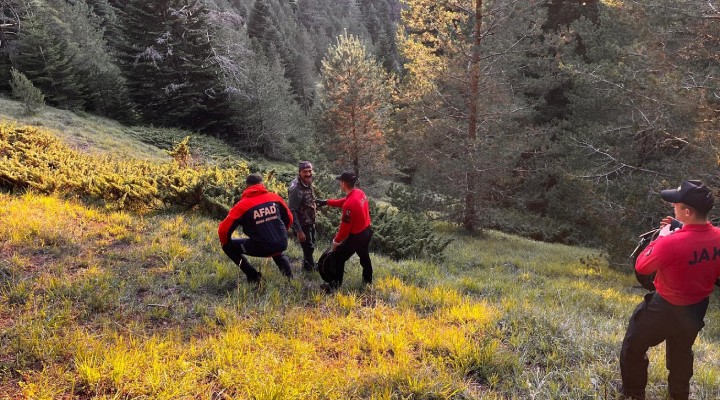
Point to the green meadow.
(105, 303)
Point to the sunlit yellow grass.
(100, 304)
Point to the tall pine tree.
(462, 99)
(354, 102)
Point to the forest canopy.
(556, 120)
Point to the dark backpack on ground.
(327, 267)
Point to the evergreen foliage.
(354, 105)
(635, 125)
(594, 104)
(404, 234)
(9, 28)
(23, 89)
(170, 67)
(49, 59)
(63, 51)
(462, 126)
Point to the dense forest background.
(559, 120)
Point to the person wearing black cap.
(265, 219)
(687, 265)
(355, 231)
(301, 200)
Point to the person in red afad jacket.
(687, 264)
(355, 232)
(265, 219)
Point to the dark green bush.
(23, 89)
(402, 234)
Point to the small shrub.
(181, 153)
(400, 234)
(23, 89)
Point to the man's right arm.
(336, 202)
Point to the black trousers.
(355, 244)
(308, 247)
(236, 249)
(654, 321)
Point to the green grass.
(100, 304)
(98, 135)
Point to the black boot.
(253, 276)
(309, 266)
(283, 263)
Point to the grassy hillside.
(96, 303)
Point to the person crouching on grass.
(687, 263)
(354, 233)
(265, 219)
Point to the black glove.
(320, 203)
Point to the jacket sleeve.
(345, 224)
(294, 206)
(653, 257)
(336, 202)
(228, 225)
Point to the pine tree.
(24, 90)
(278, 127)
(61, 48)
(9, 27)
(170, 67)
(354, 102)
(48, 59)
(638, 119)
(461, 104)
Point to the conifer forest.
(558, 120)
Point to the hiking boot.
(328, 288)
(287, 272)
(309, 267)
(255, 279)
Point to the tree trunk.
(469, 221)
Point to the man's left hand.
(335, 245)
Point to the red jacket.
(687, 263)
(355, 214)
(263, 215)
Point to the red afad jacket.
(263, 215)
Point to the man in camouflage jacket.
(301, 201)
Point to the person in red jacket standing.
(687, 265)
(265, 219)
(355, 231)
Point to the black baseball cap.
(693, 193)
(347, 176)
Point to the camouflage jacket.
(301, 201)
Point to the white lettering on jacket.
(261, 212)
